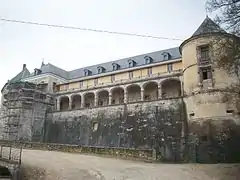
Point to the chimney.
(24, 66)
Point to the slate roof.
(208, 26)
(23, 74)
(140, 61)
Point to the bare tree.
(228, 14)
(228, 52)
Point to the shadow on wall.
(214, 141)
(5, 173)
(152, 129)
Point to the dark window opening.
(100, 103)
(113, 101)
(73, 106)
(147, 97)
(229, 111)
(206, 73)
(204, 138)
(191, 114)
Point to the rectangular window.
(95, 81)
(112, 78)
(169, 68)
(205, 73)
(149, 71)
(66, 87)
(81, 84)
(204, 54)
(130, 75)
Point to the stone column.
(159, 91)
(110, 98)
(58, 104)
(70, 103)
(125, 96)
(142, 94)
(95, 99)
(82, 101)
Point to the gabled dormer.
(115, 66)
(101, 69)
(87, 72)
(131, 63)
(166, 56)
(148, 59)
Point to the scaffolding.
(24, 105)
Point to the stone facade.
(174, 100)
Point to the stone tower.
(205, 85)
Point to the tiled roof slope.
(208, 26)
(140, 61)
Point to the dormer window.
(131, 63)
(148, 59)
(37, 71)
(87, 72)
(166, 56)
(100, 69)
(115, 66)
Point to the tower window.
(206, 73)
(204, 53)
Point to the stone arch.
(134, 93)
(117, 95)
(64, 103)
(89, 99)
(103, 97)
(76, 101)
(150, 90)
(171, 88)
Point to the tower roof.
(208, 26)
(24, 73)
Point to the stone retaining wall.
(124, 153)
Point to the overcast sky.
(71, 49)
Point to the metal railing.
(10, 154)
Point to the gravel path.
(68, 166)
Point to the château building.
(103, 104)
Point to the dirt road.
(84, 167)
